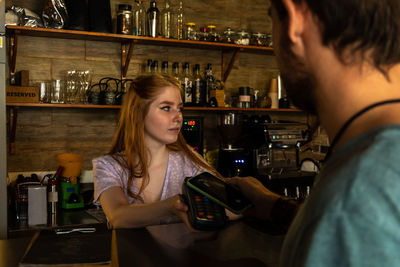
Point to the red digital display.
(192, 123)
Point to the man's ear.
(296, 23)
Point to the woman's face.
(163, 122)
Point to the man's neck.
(350, 90)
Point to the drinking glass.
(57, 92)
(45, 92)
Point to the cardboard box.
(22, 78)
(22, 94)
(219, 96)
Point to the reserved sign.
(22, 94)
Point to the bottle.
(198, 89)
(153, 20)
(52, 196)
(179, 21)
(149, 66)
(124, 19)
(164, 67)
(209, 83)
(282, 97)
(187, 85)
(52, 199)
(139, 18)
(154, 67)
(175, 72)
(273, 93)
(167, 21)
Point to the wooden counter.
(239, 244)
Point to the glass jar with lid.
(124, 19)
(190, 32)
(228, 36)
(203, 34)
(243, 38)
(213, 36)
(258, 39)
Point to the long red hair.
(128, 146)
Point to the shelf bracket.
(12, 128)
(13, 56)
(126, 57)
(225, 71)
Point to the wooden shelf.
(112, 37)
(49, 105)
(90, 106)
(128, 43)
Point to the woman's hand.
(262, 199)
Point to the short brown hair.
(364, 26)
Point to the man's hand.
(180, 209)
(262, 199)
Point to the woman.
(139, 181)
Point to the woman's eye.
(166, 108)
(180, 109)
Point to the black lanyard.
(349, 121)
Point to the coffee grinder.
(232, 156)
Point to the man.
(340, 60)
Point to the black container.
(153, 20)
(100, 16)
(78, 14)
(244, 97)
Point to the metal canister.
(244, 97)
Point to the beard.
(298, 82)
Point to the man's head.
(356, 30)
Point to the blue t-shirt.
(352, 217)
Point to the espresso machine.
(276, 162)
(233, 156)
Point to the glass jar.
(269, 40)
(124, 19)
(213, 36)
(259, 39)
(190, 32)
(228, 36)
(203, 34)
(243, 38)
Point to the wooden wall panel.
(42, 47)
(44, 133)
